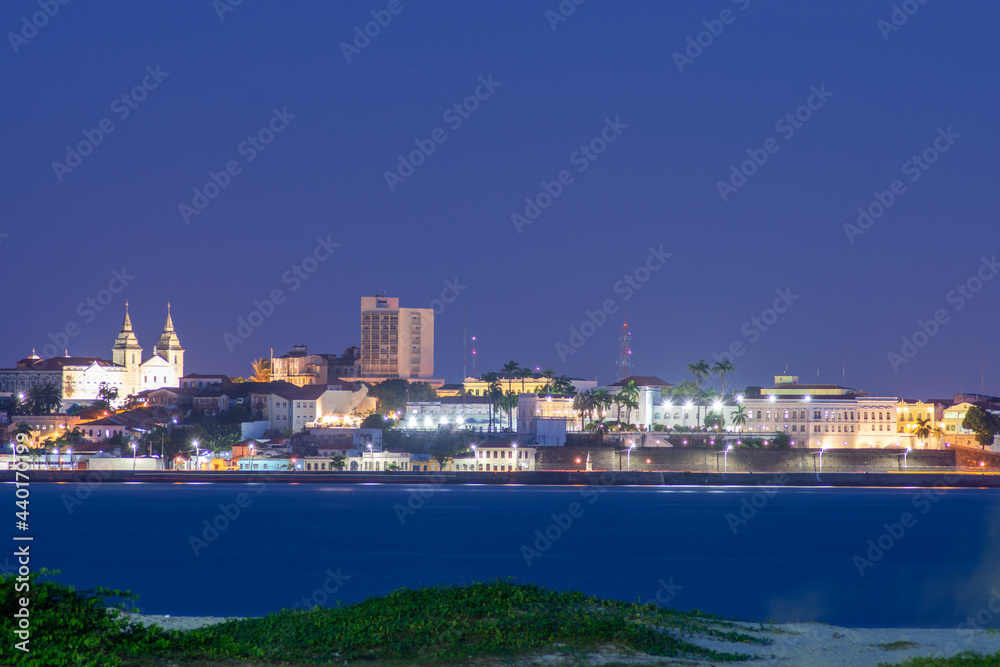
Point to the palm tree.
(563, 385)
(720, 369)
(492, 393)
(525, 373)
(584, 404)
(508, 404)
(700, 371)
(44, 398)
(602, 401)
(924, 429)
(628, 397)
(261, 370)
(740, 416)
(509, 371)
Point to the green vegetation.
(984, 424)
(393, 395)
(442, 625)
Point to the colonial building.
(833, 419)
(301, 368)
(456, 412)
(79, 378)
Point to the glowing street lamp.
(197, 455)
(133, 456)
(517, 464)
(725, 459)
(69, 452)
(475, 458)
(904, 457)
(628, 456)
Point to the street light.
(133, 456)
(725, 459)
(251, 456)
(628, 457)
(197, 455)
(69, 451)
(904, 457)
(475, 458)
(517, 464)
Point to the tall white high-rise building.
(396, 342)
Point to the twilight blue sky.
(656, 184)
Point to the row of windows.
(503, 454)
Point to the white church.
(79, 378)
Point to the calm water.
(793, 560)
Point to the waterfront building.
(503, 456)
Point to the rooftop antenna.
(474, 356)
(624, 351)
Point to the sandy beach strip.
(793, 644)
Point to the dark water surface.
(794, 560)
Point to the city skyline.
(842, 172)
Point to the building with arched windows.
(80, 378)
